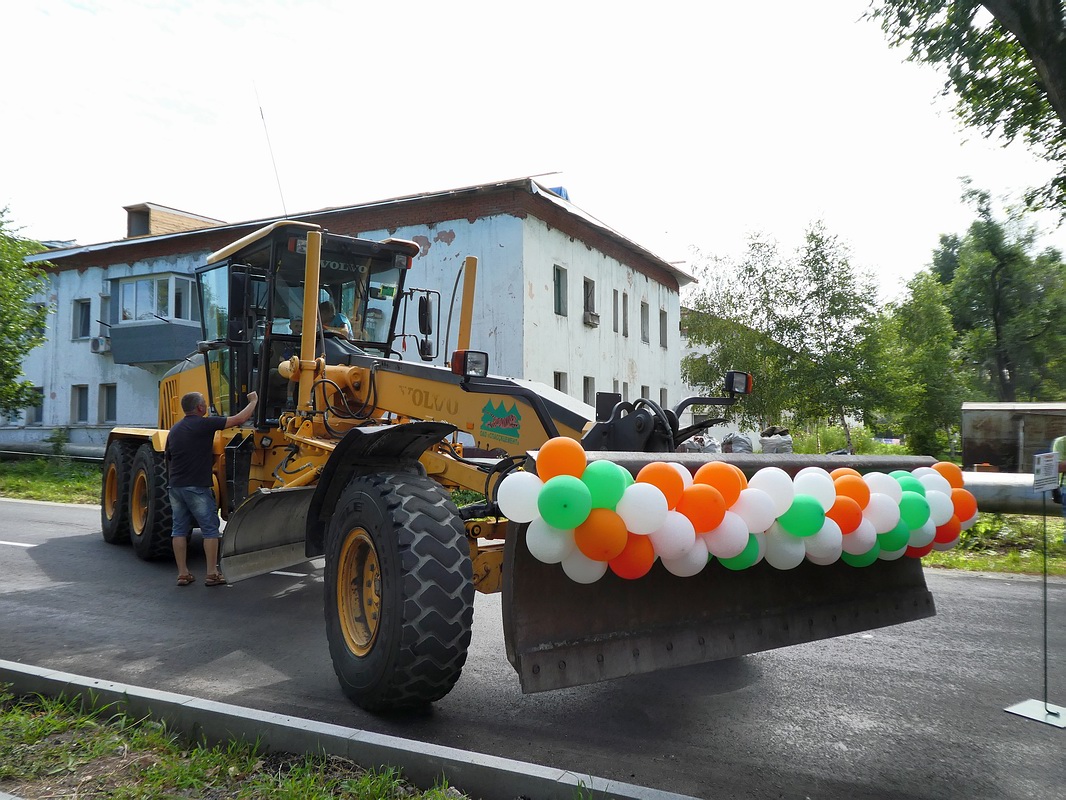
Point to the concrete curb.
(477, 775)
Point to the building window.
(645, 392)
(662, 327)
(625, 314)
(105, 315)
(662, 398)
(83, 319)
(588, 295)
(614, 312)
(560, 381)
(108, 402)
(645, 335)
(35, 413)
(158, 297)
(589, 390)
(79, 403)
(625, 391)
(560, 291)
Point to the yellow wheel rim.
(110, 491)
(139, 502)
(359, 591)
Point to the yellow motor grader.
(353, 455)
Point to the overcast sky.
(678, 124)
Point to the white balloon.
(936, 482)
(642, 507)
(812, 470)
(970, 522)
(823, 561)
(892, 555)
(689, 563)
(517, 496)
(760, 539)
(776, 483)
(756, 508)
(881, 483)
(686, 476)
(729, 539)
(922, 536)
(920, 471)
(942, 546)
(582, 569)
(819, 486)
(861, 539)
(882, 511)
(941, 508)
(548, 544)
(783, 550)
(674, 537)
(827, 543)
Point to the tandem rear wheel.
(399, 591)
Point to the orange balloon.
(561, 456)
(703, 505)
(665, 478)
(951, 472)
(964, 502)
(743, 477)
(846, 512)
(602, 536)
(844, 471)
(723, 477)
(636, 558)
(854, 487)
(948, 531)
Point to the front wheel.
(115, 492)
(150, 516)
(399, 591)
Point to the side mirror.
(425, 349)
(425, 316)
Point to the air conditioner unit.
(100, 344)
(592, 319)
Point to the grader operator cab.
(354, 450)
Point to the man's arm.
(245, 413)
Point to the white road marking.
(290, 574)
(18, 544)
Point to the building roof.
(526, 184)
(1031, 408)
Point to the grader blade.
(559, 633)
(266, 532)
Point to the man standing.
(189, 460)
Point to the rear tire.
(115, 492)
(399, 591)
(149, 502)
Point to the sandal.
(215, 579)
(185, 580)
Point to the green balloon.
(630, 480)
(746, 558)
(864, 560)
(805, 517)
(606, 481)
(911, 484)
(913, 509)
(899, 473)
(564, 502)
(895, 539)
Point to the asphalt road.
(913, 711)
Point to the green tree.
(1008, 302)
(21, 322)
(802, 325)
(1006, 65)
(932, 388)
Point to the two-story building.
(561, 298)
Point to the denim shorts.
(194, 504)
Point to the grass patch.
(49, 748)
(59, 480)
(1007, 543)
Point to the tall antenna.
(262, 116)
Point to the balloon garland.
(593, 517)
